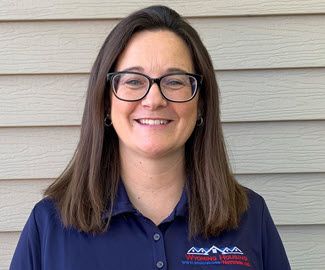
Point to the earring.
(107, 121)
(199, 121)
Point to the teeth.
(152, 122)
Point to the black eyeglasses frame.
(198, 77)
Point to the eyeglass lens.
(176, 87)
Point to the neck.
(154, 186)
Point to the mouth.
(152, 122)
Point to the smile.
(153, 122)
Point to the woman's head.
(152, 19)
(88, 185)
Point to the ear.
(107, 113)
(200, 106)
(107, 107)
(107, 99)
(199, 113)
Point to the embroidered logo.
(216, 255)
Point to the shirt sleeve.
(27, 253)
(274, 255)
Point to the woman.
(149, 185)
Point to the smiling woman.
(150, 167)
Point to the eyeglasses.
(134, 86)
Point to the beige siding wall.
(269, 58)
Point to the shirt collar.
(123, 205)
(181, 208)
(122, 202)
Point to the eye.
(133, 82)
(174, 82)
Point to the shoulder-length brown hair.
(88, 185)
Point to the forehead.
(155, 52)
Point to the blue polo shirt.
(135, 242)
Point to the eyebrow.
(169, 70)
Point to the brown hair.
(88, 185)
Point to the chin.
(154, 152)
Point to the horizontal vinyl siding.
(96, 9)
(234, 43)
(271, 73)
(304, 246)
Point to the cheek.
(188, 116)
(121, 110)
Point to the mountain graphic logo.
(214, 250)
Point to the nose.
(154, 99)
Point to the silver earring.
(107, 121)
(199, 121)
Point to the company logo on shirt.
(216, 255)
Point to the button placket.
(159, 250)
(158, 245)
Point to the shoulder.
(255, 200)
(258, 215)
(45, 207)
(46, 214)
(257, 209)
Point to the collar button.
(156, 236)
(160, 264)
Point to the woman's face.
(154, 53)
